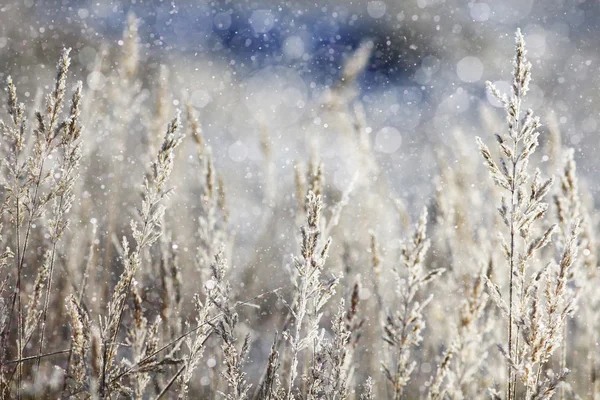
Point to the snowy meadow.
(297, 200)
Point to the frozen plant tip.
(521, 207)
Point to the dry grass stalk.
(105, 374)
(538, 319)
(311, 292)
(31, 186)
(155, 341)
(216, 293)
(403, 327)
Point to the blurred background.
(265, 62)
(427, 67)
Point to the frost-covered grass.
(136, 262)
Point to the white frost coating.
(388, 140)
(238, 151)
(503, 87)
(262, 21)
(376, 9)
(210, 284)
(469, 69)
